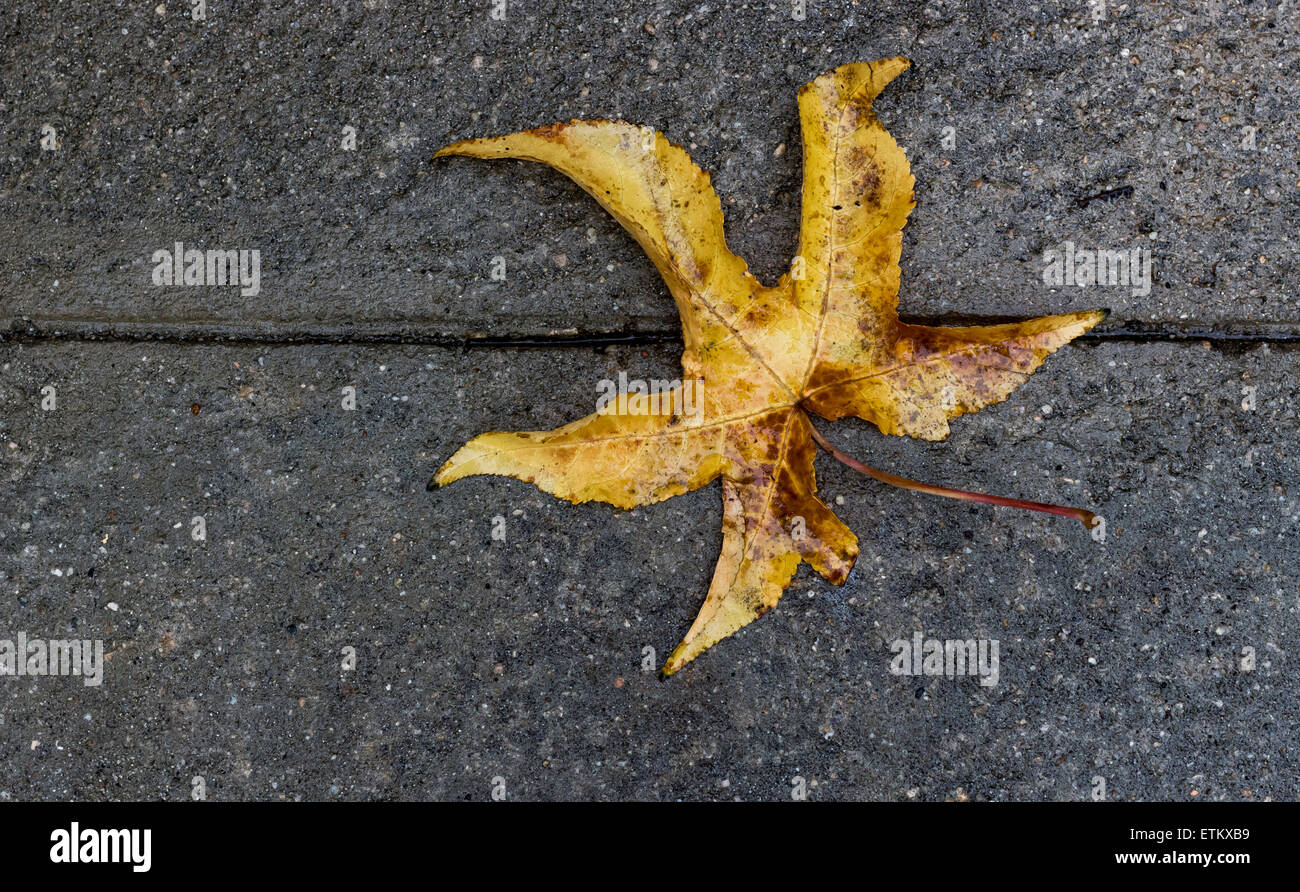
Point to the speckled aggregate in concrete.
(516, 664)
(229, 133)
(522, 659)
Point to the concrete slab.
(521, 659)
(229, 133)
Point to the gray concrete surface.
(521, 660)
(228, 133)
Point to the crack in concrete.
(1243, 335)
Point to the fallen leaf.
(826, 339)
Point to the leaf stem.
(1084, 517)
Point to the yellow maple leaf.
(826, 339)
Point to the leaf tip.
(460, 147)
(1091, 319)
(676, 660)
(450, 472)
